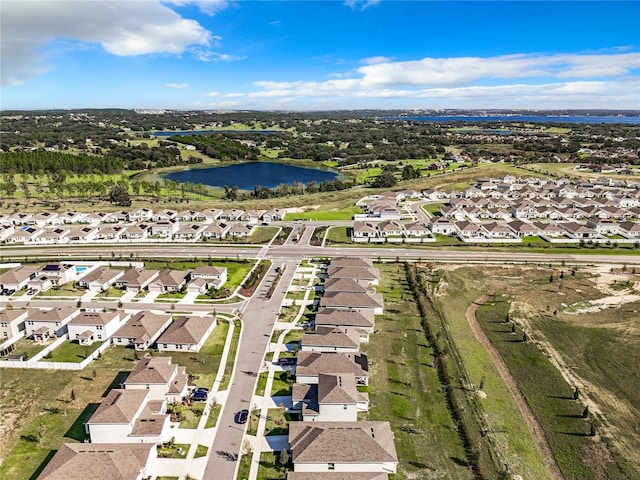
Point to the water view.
(246, 175)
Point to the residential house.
(361, 274)
(129, 416)
(59, 273)
(311, 364)
(331, 339)
(136, 279)
(163, 380)
(89, 327)
(240, 230)
(630, 229)
(334, 399)
(355, 301)
(100, 279)
(142, 330)
(579, 231)
(274, 215)
(12, 322)
(342, 447)
(164, 229)
(357, 262)
(345, 285)
(186, 333)
(24, 234)
(43, 324)
(79, 461)
(443, 226)
(17, 278)
(190, 232)
(216, 277)
(334, 317)
(215, 230)
(169, 281)
(363, 231)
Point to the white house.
(311, 364)
(186, 334)
(342, 447)
(215, 277)
(158, 376)
(100, 279)
(11, 323)
(43, 324)
(129, 416)
(142, 330)
(89, 327)
(334, 399)
(331, 339)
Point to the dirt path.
(534, 427)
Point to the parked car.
(242, 416)
(286, 361)
(200, 394)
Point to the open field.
(570, 337)
(568, 170)
(404, 389)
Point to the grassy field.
(557, 319)
(236, 270)
(324, 215)
(404, 389)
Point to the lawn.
(231, 359)
(173, 450)
(278, 422)
(236, 269)
(325, 215)
(404, 388)
(270, 467)
(339, 235)
(282, 384)
(71, 352)
(111, 292)
(29, 348)
(201, 451)
(66, 290)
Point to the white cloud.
(210, 7)
(599, 80)
(122, 28)
(234, 95)
(177, 85)
(212, 94)
(361, 4)
(211, 56)
(376, 60)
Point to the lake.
(246, 175)
(522, 118)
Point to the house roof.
(8, 316)
(186, 330)
(119, 407)
(351, 300)
(332, 337)
(102, 275)
(347, 317)
(209, 271)
(18, 274)
(344, 285)
(56, 314)
(337, 389)
(351, 262)
(142, 326)
(342, 442)
(314, 363)
(107, 461)
(97, 318)
(172, 278)
(151, 370)
(138, 276)
(364, 273)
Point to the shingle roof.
(351, 300)
(119, 407)
(344, 317)
(314, 363)
(142, 326)
(91, 318)
(186, 330)
(151, 370)
(331, 337)
(107, 461)
(342, 442)
(337, 389)
(343, 285)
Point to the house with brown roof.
(129, 416)
(169, 281)
(369, 275)
(100, 279)
(342, 447)
(17, 278)
(311, 364)
(334, 399)
(338, 317)
(136, 279)
(80, 461)
(43, 324)
(11, 323)
(355, 301)
(186, 334)
(345, 285)
(331, 339)
(215, 277)
(215, 230)
(142, 330)
(162, 379)
(89, 327)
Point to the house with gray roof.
(335, 398)
(331, 339)
(342, 447)
(311, 364)
(186, 334)
(80, 461)
(351, 300)
(163, 380)
(142, 330)
(339, 317)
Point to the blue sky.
(331, 54)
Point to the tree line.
(41, 162)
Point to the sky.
(319, 55)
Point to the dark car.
(200, 394)
(241, 416)
(286, 361)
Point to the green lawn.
(404, 388)
(231, 359)
(282, 384)
(111, 292)
(177, 450)
(201, 451)
(236, 269)
(214, 413)
(29, 348)
(66, 290)
(325, 215)
(270, 467)
(72, 352)
(339, 235)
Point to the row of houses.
(330, 442)
(145, 215)
(158, 231)
(98, 278)
(126, 427)
(141, 331)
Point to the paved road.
(258, 317)
(284, 252)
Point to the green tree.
(119, 194)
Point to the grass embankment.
(557, 313)
(404, 388)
